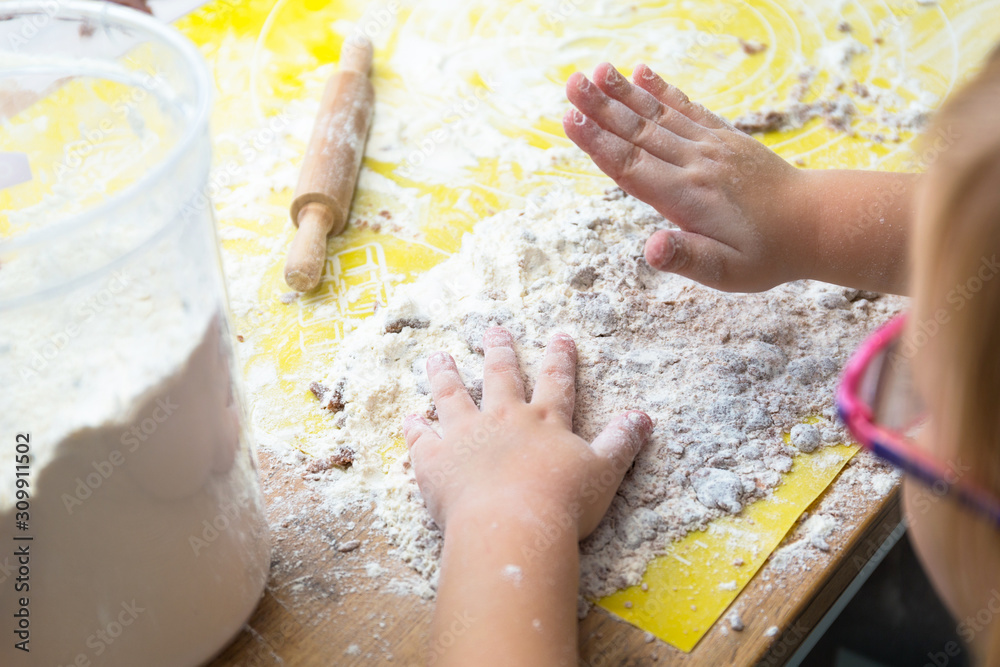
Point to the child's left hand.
(514, 490)
(512, 454)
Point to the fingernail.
(583, 84)
(559, 335)
(640, 421)
(647, 73)
(659, 254)
(497, 337)
(613, 77)
(410, 420)
(578, 117)
(667, 251)
(437, 360)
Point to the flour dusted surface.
(724, 376)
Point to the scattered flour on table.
(828, 88)
(722, 375)
(865, 476)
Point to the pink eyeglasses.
(879, 404)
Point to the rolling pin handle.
(307, 254)
(356, 55)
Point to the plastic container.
(127, 478)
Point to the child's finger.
(416, 429)
(640, 174)
(691, 255)
(451, 398)
(642, 102)
(674, 97)
(617, 445)
(502, 380)
(556, 386)
(617, 118)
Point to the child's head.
(955, 279)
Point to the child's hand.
(513, 490)
(514, 457)
(733, 198)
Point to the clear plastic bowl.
(121, 406)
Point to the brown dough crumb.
(342, 458)
(752, 47)
(368, 224)
(838, 114)
(767, 121)
(239, 337)
(350, 545)
(331, 400)
(397, 325)
(844, 26)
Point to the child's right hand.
(734, 199)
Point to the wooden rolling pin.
(331, 164)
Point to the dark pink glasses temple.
(858, 418)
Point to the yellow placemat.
(259, 50)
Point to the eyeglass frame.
(893, 446)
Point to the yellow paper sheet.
(690, 587)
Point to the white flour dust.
(724, 376)
(829, 87)
(836, 513)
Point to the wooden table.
(324, 607)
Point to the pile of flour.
(723, 376)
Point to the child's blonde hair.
(956, 280)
